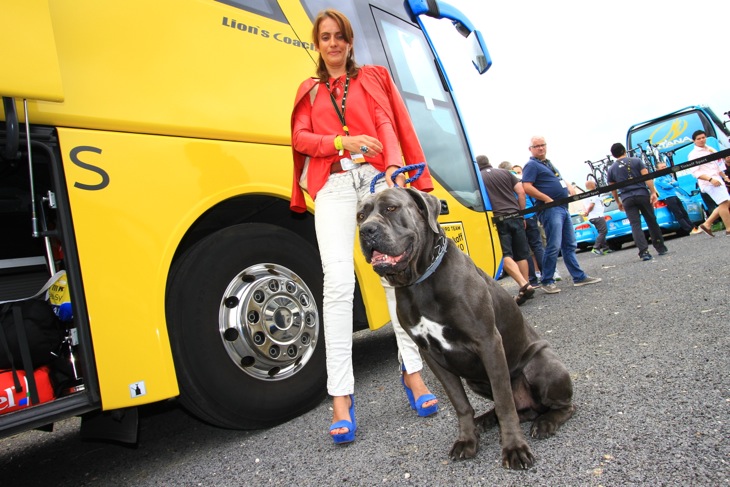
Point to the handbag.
(305, 169)
(303, 177)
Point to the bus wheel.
(242, 310)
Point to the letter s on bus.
(75, 159)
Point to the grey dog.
(466, 326)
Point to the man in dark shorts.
(507, 196)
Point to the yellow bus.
(145, 150)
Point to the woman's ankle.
(415, 382)
(341, 408)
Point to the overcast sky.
(581, 72)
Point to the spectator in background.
(532, 230)
(507, 166)
(636, 200)
(666, 187)
(507, 196)
(711, 179)
(534, 240)
(594, 213)
(542, 181)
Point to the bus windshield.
(431, 108)
(674, 130)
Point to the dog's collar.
(439, 250)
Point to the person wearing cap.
(667, 188)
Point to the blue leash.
(420, 167)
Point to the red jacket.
(380, 86)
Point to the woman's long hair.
(351, 66)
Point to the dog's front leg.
(467, 443)
(516, 453)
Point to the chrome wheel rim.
(268, 322)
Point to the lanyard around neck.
(340, 113)
(549, 165)
(626, 164)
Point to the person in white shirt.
(711, 179)
(594, 213)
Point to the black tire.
(614, 244)
(592, 177)
(242, 310)
(600, 178)
(600, 181)
(650, 163)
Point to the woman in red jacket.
(350, 124)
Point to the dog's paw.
(464, 449)
(543, 428)
(486, 421)
(517, 457)
(547, 424)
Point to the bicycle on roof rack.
(599, 175)
(599, 171)
(651, 155)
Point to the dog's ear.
(429, 205)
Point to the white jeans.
(334, 219)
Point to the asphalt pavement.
(648, 350)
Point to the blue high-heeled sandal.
(351, 426)
(418, 404)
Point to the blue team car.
(585, 232)
(619, 228)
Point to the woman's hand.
(400, 179)
(356, 143)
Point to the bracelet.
(338, 142)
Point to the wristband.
(338, 142)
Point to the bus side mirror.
(480, 57)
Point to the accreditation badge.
(347, 164)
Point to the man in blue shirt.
(543, 182)
(666, 187)
(636, 200)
